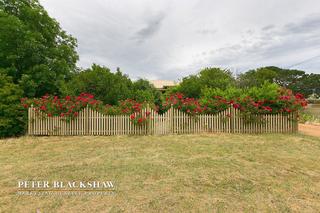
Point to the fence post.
(171, 120)
(149, 120)
(30, 109)
(87, 120)
(231, 117)
(296, 122)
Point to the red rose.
(179, 96)
(267, 108)
(287, 110)
(236, 106)
(255, 104)
(140, 120)
(304, 104)
(299, 96)
(285, 98)
(132, 116)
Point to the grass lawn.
(206, 173)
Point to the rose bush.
(140, 118)
(68, 107)
(284, 102)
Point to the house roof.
(160, 84)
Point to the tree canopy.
(109, 87)
(34, 50)
(296, 80)
(100, 81)
(218, 78)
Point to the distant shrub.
(305, 117)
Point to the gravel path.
(308, 129)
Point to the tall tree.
(192, 85)
(107, 86)
(34, 50)
(296, 80)
(144, 91)
(257, 77)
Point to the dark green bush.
(12, 116)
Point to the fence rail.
(174, 121)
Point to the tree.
(100, 81)
(257, 77)
(307, 84)
(34, 50)
(144, 91)
(287, 77)
(296, 80)
(12, 119)
(192, 85)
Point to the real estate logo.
(57, 187)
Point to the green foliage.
(12, 118)
(143, 91)
(308, 84)
(34, 50)
(256, 77)
(102, 83)
(216, 78)
(306, 117)
(192, 85)
(229, 93)
(296, 80)
(267, 91)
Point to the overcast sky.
(170, 39)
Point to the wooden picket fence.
(174, 121)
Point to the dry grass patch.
(212, 173)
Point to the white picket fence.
(174, 121)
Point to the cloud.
(207, 31)
(169, 39)
(268, 27)
(306, 25)
(152, 27)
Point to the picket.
(174, 121)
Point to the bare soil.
(309, 129)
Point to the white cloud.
(171, 39)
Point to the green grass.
(206, 173)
